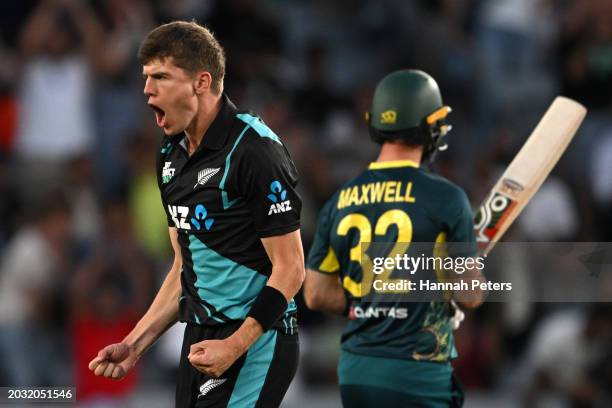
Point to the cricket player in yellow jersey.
(393, 354)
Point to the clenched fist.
(114, 361)
(213, 357)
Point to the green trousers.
(367, 381)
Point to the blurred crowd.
(83, 235)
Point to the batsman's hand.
(114, 361)
(213, 357)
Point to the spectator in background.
(584, 54)
(585, 50)
(117, 94)
(601, 182)
(481, 349)
(55, 123)
(170, 10)
(8, 124)
(569, 359)
(345, 138)
(108, 293)
(32, 266)
(315, 100)
(8, 108)
(511, 41)
(86, 208)
(252, 39)
(552, 213)
(146, 212)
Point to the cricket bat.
(524, 176)
(527, 171)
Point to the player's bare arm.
(214, 357)
(116, 360)
(324, 292)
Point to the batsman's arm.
(473, 298)
(115, 360)
(324, 292)
(461, 241)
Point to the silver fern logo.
(205, 175)
(210, 384)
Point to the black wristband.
(268, 307)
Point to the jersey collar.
(392, 164)
(218, 132)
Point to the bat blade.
(527, 171)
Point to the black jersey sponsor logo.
(179, 214)
(200, 219)
(167, 172)
(278, 196)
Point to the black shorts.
(260, 378)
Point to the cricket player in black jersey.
(228, 187)
(394, 354)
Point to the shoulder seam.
(260, 128)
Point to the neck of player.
(395, 151)
(210, 105)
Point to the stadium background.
(82, 233)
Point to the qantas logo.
(205, 175)
(357, 312)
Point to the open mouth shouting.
(160, 115)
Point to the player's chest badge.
(204, 175)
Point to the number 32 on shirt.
(358, 252)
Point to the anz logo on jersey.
(278, 196)
(180, 215)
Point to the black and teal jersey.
(391, 202)
(236, 188)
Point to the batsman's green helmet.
(407, 105)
